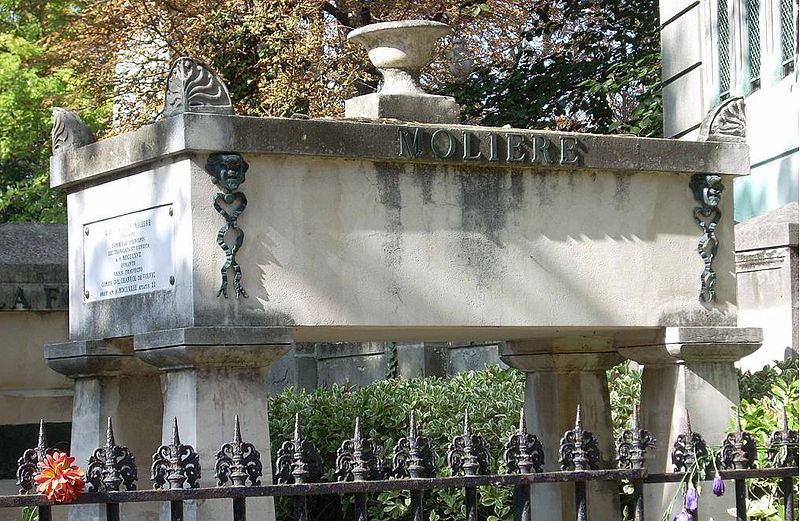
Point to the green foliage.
(28, 91)
(493, 397)
(582, 65)
(767, 395)
(30, 514)
(756, 385)
(624, 391)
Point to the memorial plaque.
(129, 254)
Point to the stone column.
(561, 374)
(111, 382)
(688, 369)
(210, 375)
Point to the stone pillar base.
(688, 369)
(210, 375)
(111, 382)
(560, 374)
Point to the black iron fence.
(361, 470)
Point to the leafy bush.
(493, 396)
(766, 396)
(624, 391)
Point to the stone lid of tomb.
(189, 133)
(33, 252)
(773, 229)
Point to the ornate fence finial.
(227, 171)
(176, 463)
(783, 450)
(111, 466)
(238, 461)
(688, 447)
(357, 459)
(69, 131)
(193, 87)
(28, 463)
(738, 448)
(523, 452)
(707, 190)
(578, 447)
(298, 461)
(413, 456)
(633, 443)
(468, 453)
(725, 122)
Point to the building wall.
(693, 72)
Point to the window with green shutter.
(753, 23)
(787, 36)
(723, 48)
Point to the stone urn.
(399, 50)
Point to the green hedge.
(493, 397)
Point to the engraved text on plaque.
(129, 254)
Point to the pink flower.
(60, 480)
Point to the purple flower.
(690, 500)
(719, 486)
(683, 516)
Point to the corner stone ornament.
(193, 87)
(227, 171)
(725, 122)
(69, 131)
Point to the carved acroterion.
(69, 131)
(193, 87)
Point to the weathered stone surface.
(405, 107)
(688, 370)
(351, 363)
(461, 358)
(341, 235)
(775, 229)
(213, 346)
(109, 381)
(767, 282)
(210, 375)
(206, 133)
(34, 253)
(555, 384)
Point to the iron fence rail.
(360, 470)
(368, 487)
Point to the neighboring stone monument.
(574, 249)
(767, 281)
(33, 312)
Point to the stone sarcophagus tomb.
(202, 246)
